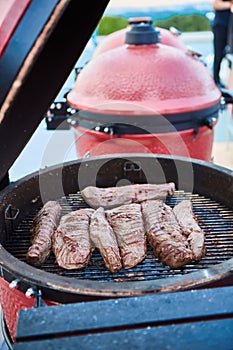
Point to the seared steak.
(115, 196)
(71, 241)
(104, 239)
(164, 234)
(127, 224)
(43, 227)
(186, 219)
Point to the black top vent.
(142, 34)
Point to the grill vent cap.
(142, 34)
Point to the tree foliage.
(184, 23)
(190, 23)
(109, 24)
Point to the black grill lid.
(50, 37)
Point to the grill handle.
(227, 96)
(210, 122)
(11, 212)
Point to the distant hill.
(161, 12)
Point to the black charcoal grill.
(214, 218)
(212, 205)
(22, 107)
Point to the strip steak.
(128, 226)
(164, 234)
(115, 196)
(43, 227)
(103, 238)
(184, 214)
(71, 241)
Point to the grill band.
(146, 124)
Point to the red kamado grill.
(104, 304)
(145, 97)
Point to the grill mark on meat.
(116, 196)
(128, 227)
(103, 238)
(184, 214)
(164, 234)
(43, 227)
(71, 241)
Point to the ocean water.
(56, 147)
